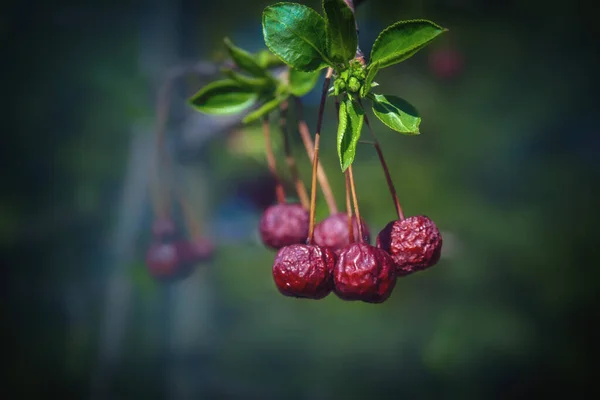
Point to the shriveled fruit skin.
(168, 261)
(304, 271)
(333, 232)
(364, 272)
(414, 243)
(283, 225)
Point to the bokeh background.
(507, 165)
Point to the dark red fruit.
(333, 232)
(167, 260)
(304, 270)
(194, 252)
(283, 225)
(414, 243)
(364, 272)
(163, 229)
(201, 249)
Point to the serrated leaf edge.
(324, 58)
(403, 23)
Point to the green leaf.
(402, 40)
(267, 60)
(256, 84)
(302, 82)
(396, 113)
(263, 110)
(349, 128)
(223, 97)
(296, 34)
(342, 40)
(371, 72)
(244, 60)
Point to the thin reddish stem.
(191, 222)
(349, 209)
(279, 192)
(289, 157)
(315, 163)
(355, 199)
(309, 146)
(160, 198)
(386, 171)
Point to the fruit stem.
(349, 209)
(289, 157)
(160, 205)
(355, 199)
(279, 192)
(309, 146)
(315, 163)
(192, 225)
(360, 57)
(386, 171)
(160, 199)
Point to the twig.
(160, 200)
(280, 193)
(309, 146)
(349, 209)
(386, 171)
(289, 157)
(191, 223)
(355, 200)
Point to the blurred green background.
(507, 165)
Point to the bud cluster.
(351, 79)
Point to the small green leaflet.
(350, 124)
(255, 84)
(223, 97)
(371, 72)
(296, 34)
(396, 113)
(244, 60)
(402, 40)
(266, 59)
(263, 110)
(342, 40)
(302, 82)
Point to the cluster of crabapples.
(353, 271)
(336, 254)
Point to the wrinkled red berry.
(333, 232)
(414, 243)
(364, 272)
(167, 260)
(304, 270)
(283, 225)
